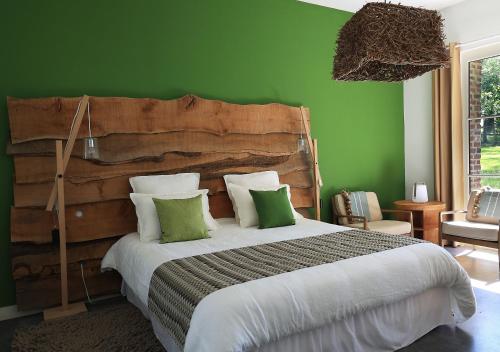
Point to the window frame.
(469, 54)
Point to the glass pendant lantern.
(91, 148)
(302, 145)
(90, 144)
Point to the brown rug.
(121, 327)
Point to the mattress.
(351, 308)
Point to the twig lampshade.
(388, 42)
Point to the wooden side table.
(425, 218)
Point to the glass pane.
(484, 146)
(484, 87)
(477, 182)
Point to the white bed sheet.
(281, 309)
(136, 260)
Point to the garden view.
(490, 132)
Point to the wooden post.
(62, 159)
(61, 217)
(317, 181)
(65, 309)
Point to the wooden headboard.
(136, 137)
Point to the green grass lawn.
(490, 164)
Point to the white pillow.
(165, 184)
(264, 180)
(245, 207)
(256, 179)
(148, 223)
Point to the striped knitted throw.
(359, 204)
(177, 286)
(489, 204)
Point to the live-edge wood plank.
(36, 194)
(37, 261)
(120, 148)
(93, 221)
(141, 115)
(85, 222)
(45, 292)
(41, 169)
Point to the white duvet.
(254, 313)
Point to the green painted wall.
(241, 51)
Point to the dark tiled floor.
(481, 333)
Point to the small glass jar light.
(91, 148)
(90, 144)
(302, 145)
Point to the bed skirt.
(385, 328)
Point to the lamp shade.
(389, 42)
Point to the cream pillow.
(256, 179)
(244, 205)
(264, 180)
(148, 224)
(165, 184)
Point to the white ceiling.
(355, 5)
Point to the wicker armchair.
(376, 222)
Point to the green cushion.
(273, 208)
(181, 219)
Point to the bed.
(377, 302)
(370, 302)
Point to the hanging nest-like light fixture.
(388, 42)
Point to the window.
(484, 123)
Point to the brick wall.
(475, 125)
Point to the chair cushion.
(488, 207)
(391, 227)
(356, 225)
(475, 230)
(373, 207)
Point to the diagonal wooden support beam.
(73, 133)
(313, 148)
(307, 131)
